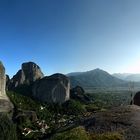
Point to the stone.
(78, 90)
(5, 104)
(7, 81)
(29, 73)
(78, 93)
(52, 89)
(136, 99)
(2, 81)
(26, 114)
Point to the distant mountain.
(128, 77)
(74, 73)
(121, 75)
(95, 78)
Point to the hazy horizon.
(70, 36)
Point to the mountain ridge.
(128, 76)
(95, 78)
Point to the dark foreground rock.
(136, 99)
(7, 81)
(78, 93)
(26, 114)
(124, 119)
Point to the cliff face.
(29, 73)
(29, 81)
(2, 81)
(5, 104)
(52, 89)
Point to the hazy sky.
(70, 35)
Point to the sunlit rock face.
(2, 81)
(137, 99)
(29, 73)
(52, 89)
(5, 104)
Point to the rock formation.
(2, 81)
(136, 99)
(78, 93)
(29, 73)
(52, 89)
(24, 114)
(5, 104)
(78, 90)
(7, 81)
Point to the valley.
(48, 108)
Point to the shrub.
(107, 136)
(7, 128)
(78, 133)
(73, 107)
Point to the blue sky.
(70, 35)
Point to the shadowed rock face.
(78, 93)
(52, 89)
(137, 99)
(29, 73)
(7, 81)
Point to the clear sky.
(70, 35)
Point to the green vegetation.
(108, 99)
(7, 128)
(73, 107)
(78, 133)
(61, 117)
(51, 113)
(107, 136)
(26, 103)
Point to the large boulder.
(5, 104)
(29, 73)
(78, 93)
(136, 99)
(52, 89)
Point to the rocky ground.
(125, 119)
(5, 105)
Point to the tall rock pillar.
(2, 81)
(5, 104)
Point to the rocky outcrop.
(29, 73)
(5, 104)
(78, 90)
(78, 93)
(26, 114)
(52, 89)
(2, 81)
(7, 81)
(136, 99)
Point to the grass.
(107, 136)
(78, 133)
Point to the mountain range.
(128, 76)
(95, 78)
